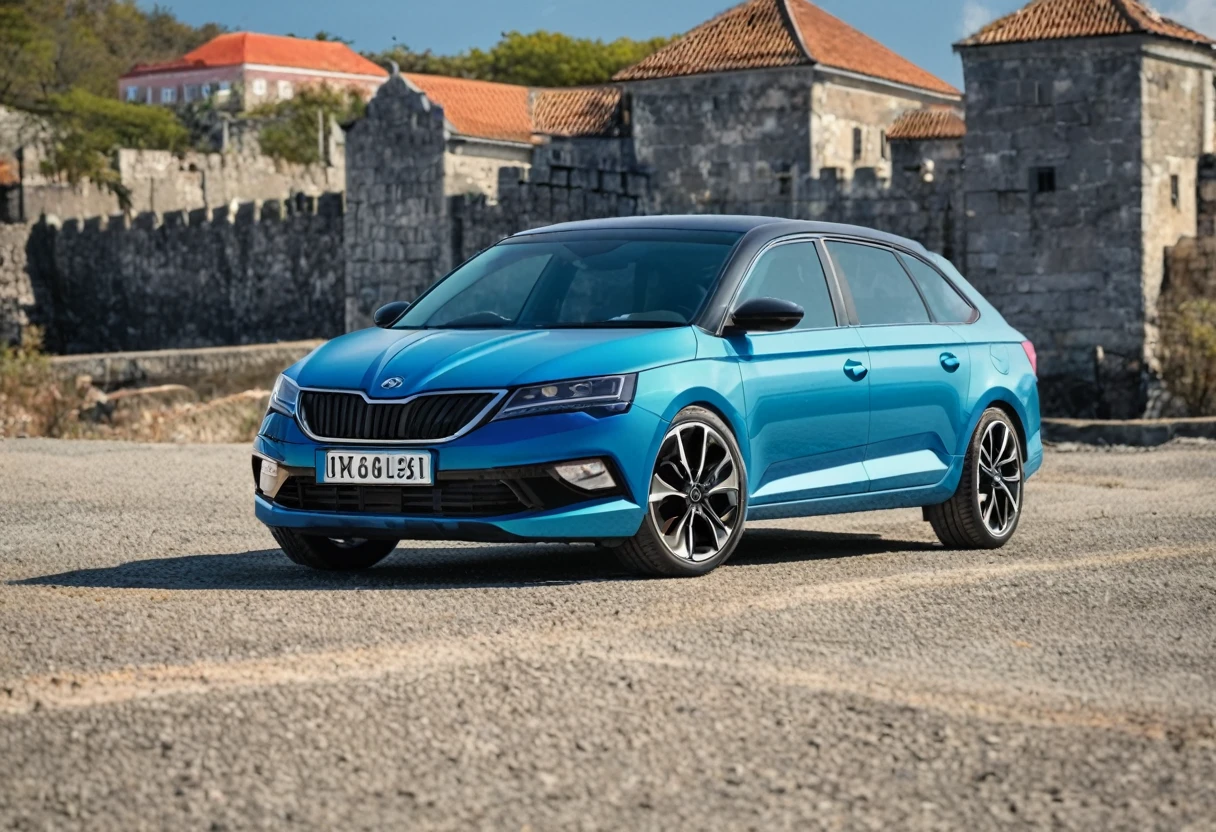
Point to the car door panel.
(807, 419)
(806, 389)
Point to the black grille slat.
(426, 418)
(452, 498)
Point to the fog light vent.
(587, 474)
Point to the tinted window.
(947, 304)
(579, 279)
(793, 272)
(882, 292)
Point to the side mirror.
(390, 313)
(765, 315)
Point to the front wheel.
(986, 507)
(697, 500)
(332, 554)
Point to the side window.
(882, 292)
(949, 307)
(793, 272)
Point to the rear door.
(919, 367)
(807, 389)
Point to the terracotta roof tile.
(479, 108)
(589, 111)
(752, 35)
(834, 43)
(927, 124)
(776, 33)
(1057, 19)
(235, 48)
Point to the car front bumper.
(628, 442)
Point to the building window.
(885, 146)
(1043, 180)
(285, 90)
(857, 144)
(190, 92)
(1175, 191)
(206, 89)
(168, 95)
(259, 86)
(132, 93)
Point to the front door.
(807, 389)
(919, 373)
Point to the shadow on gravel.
(448, 567)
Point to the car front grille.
(426, 418)
(454, 498)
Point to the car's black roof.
(725, 222)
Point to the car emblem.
(392, 383)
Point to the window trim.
(844, 283)
(839, 307)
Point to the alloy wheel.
(999, 479)
(694, 492)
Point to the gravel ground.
(162, 666)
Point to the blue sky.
(921, 30)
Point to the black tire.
(331, 555)
(646, 553)
(960, 522)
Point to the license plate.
(396, 468)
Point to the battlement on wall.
(332, 205)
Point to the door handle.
(855, 369)
(950, 362)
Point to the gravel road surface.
(162, 666)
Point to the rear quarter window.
(881, 289)
(949, 307)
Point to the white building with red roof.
(257, 68)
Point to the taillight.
(1034, 358)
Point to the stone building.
(771, 91)
(1086, 121)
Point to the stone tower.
(1085, 123)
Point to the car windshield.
(639, 278)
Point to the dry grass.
(35, 402)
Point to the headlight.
(285, 396)
(611, 394)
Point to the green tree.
(539, 59)
(87, 130)
(48, 47)
(292, 126)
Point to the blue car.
(650, 384)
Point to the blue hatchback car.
(650, 384)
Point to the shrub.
(296, 128)
(33, 401)
(1188, 352)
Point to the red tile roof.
(918, 125)
(479, 108)
(1058, 19)
(775, 33)
(588, 111)
(235, 48)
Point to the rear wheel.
(984, 511)
(332, 554)
(697, 500)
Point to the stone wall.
(1206, 210)
(158, 180)
(719, 141)
(16, 293)
(840, 106)
(397, 239)
(265, 272)
(1064, 265)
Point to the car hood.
(448, 359)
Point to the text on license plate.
(397, 468)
